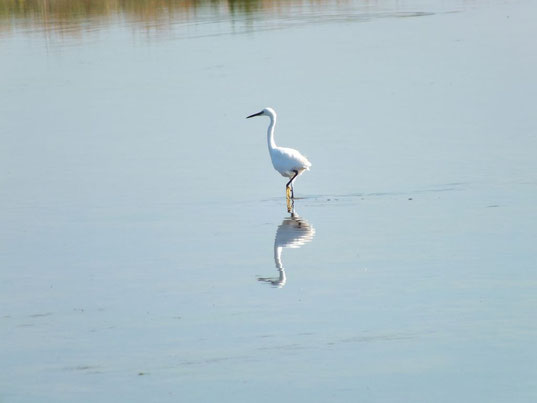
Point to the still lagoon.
(146, 250)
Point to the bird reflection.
(293, 232)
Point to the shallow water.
(146, 250)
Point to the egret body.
(287, 161)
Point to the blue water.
(139, 209)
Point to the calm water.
(146, 251)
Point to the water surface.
(146, 249)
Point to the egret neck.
(270, 132)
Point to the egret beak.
(254, 115)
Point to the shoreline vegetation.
(80, 15)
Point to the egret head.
(265, 112)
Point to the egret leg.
(290, 205)
(289, 186)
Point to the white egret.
(287, 161)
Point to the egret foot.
(289, 185)
(288, 192)
(290, 205)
